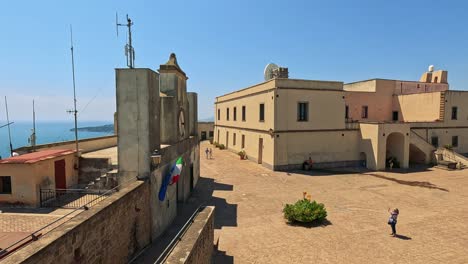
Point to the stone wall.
(196, 246)
(112, 231)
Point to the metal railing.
(69, 198)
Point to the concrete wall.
(460, 100)
(169, 115)
(196, 245)
(252, 139)
(445, 135)
(193, 113)
(326, 148)
(326, 109)
(138, 114)
(27, 179)
(417, 107)
(112, 231)
(85, 145)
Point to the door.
(191, 178)
(260, 150)
(227, 139)
(203, 135)
(60, 178)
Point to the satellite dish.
(431, 68)
(268, 72)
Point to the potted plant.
(305, 210)
(242, 154)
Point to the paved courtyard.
(250, 227)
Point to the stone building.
(281, 123)
(206, 130)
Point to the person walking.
(207, 152)
(392, 220)
(211, 153)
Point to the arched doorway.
(416, 156)
(395, 150)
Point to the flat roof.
(34, 157)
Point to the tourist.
(211, 153)
(392, 221)
(207, 152)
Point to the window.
(227, 114)
(454, 141)
(234, 139)
(395, 116)
(454, 113)
(436, 79)
(243, 141)
(235, 114)
(346, 112)
(435, 141)
(5, 184)
(243, 113)
(365, 111)
(219, 114)
(302, 111)
(211, 134)
(262, 112)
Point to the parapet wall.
(85, 145)
(112, 231)
(196, 246)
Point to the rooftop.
(37, 156)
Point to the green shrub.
(448, 146)
(222, 146)
(305, 211)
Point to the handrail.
(178, 237)
(412, 132)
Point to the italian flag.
(176, 170)
(171, 177)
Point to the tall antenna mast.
(8, 124)
(32, 138)
(129, 50)
(75, 112)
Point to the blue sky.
(221, 45)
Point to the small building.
(206, 130)
(22, 177)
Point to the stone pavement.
(250, 227)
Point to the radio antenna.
(74, 112)
(32, 138)
(129, 50)
(8, 124)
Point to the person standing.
(392, 220)
(207, 152)
(211, 153)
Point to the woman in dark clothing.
(392, 221)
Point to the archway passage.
(416, 156)
(395, 153)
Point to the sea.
(46, 132)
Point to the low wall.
(196, 246)
(112, 231)
(85, 145)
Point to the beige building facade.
(282, 123)
(205, 130)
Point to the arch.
(416, 155)
(395, 149)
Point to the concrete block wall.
(138, 118)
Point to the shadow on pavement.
(409, 183)
(220, 256)
(323, 223)
(403, 237)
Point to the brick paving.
(250, 227)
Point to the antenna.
(75, 112)
(8, 124)
(129, 50)
(32, 138)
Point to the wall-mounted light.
(155, 159)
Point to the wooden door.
(60, 177)
(260, 150)
(227, 140)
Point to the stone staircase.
(97, 174)
(423, 145)
(449, 159)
